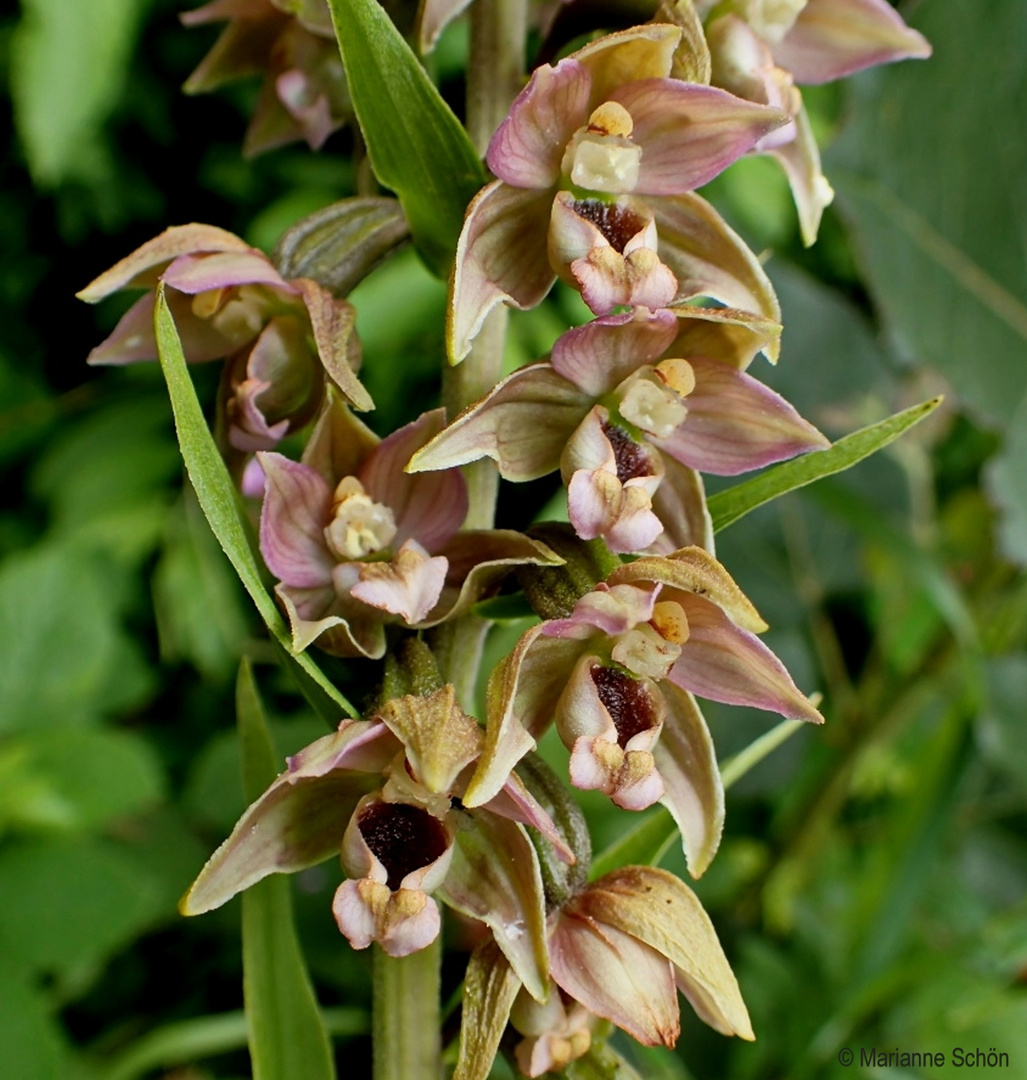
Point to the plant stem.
(496, 69)
(406, 1019)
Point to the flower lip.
(631, 458)
(627, 701)
(617, 222)
(402, 837)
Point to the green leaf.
(726, 507)
(220, 503)
(68, 64)
(287, 1037)
(643, 844)
(930, 176)
(417, 146)
(33, 1044)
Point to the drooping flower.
(621, 948)
(384, 793)
(617, 678)
(292, 44)
(282, 339)
(760, 48)
(589, 156)
(356, 543)
(631, 408)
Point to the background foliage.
(870, 888)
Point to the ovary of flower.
(654, 407)
(359, 526)
(601, 156)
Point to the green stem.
(495, 72)
(406, 1020)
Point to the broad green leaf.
(33, 1045)
(417, 146)
(726, 507)
(339, 245)
(287, 1037)
(68, 64)
(220, 503)
(930, 177)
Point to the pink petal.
(528, 146)
(358, 745)
(402, 923)
(193, 274)
(616, 977)
(523, 425)
(516, 803)
(297, 506)
(609, 611)
(408, 586)
(833, 38)
(694, 793)
(689, 134)
(500, 257)
(428, 508)
(142, 267)
(307, 104)
(710, 259)
(608, 280)
(598, 356)
(723, 662)
(735, 424)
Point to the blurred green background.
(870, 888)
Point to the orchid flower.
(631, 408)
(620, 949)
(592, 154)
(292, 44)
(356, 543)
(280, 337)
(384, 793)
(759, 48)
(617, 678)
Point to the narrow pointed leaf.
(417, 146)
(287, 1036)
(220, 503)
(726, 507)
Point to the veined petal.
(142, 267)
(495, 877)
(640, 52)
(735, 424)
(655, 907)
(429, 509)
(360, 745)
(338, 625)
(608, 610)
(615, 975)
(296, 823)
(601, 354)
(516, 803)
(694, 793)
(833, 38)
(339, 444)
(689, 133)
(723, 662)
(710, 259)
(333, 323)
(680, 503)
(693, 571)
(523, 425)
(478, 560)
(800, 159)
(522, 692)
(297, 506)
(196, 273)
(501, 256)
(408, 586)
(726, 334)
(528, 145)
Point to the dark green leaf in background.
(418, 148)
(931, 176)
